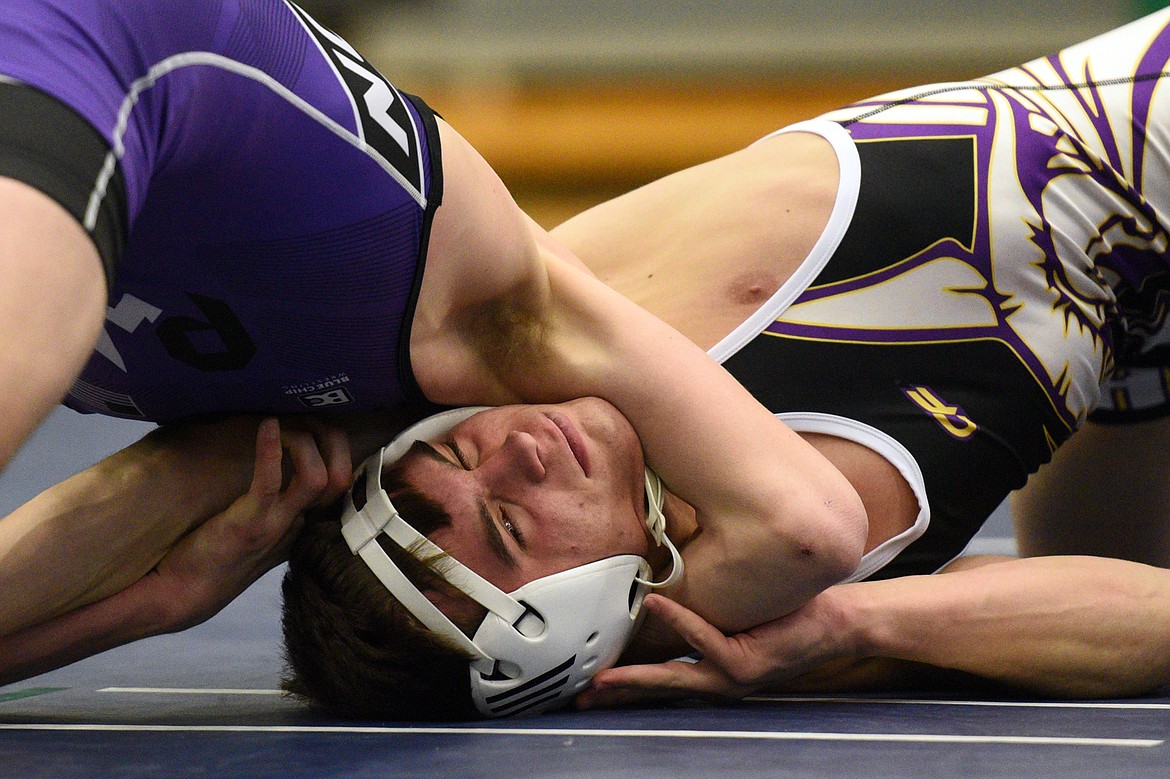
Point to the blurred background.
(575, 102)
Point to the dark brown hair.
(350, 646)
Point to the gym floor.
(206, 703)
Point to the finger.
(258, 528)
(310, 476)
(676, 677)
(266, 474)
(629, 684)
(261, 518)
(613, 698)
(696, 631)
(333, 442)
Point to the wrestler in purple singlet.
(278, 197)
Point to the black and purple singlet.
(1002, 273)
(277, 197)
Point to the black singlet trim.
(406, 378)
(49, 146)
(969, 85)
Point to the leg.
(52, 304)
(1106, 492)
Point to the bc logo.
(952, 418)
(334, 397)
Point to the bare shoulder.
(484, 277)
(702, 248)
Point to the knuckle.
(315, 479)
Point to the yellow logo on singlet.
(952, 418)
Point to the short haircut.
(350, 646)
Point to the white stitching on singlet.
(192, 58)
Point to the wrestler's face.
(534, 490)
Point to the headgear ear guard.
(539, 645)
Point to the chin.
(611, 429)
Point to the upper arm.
(971, 562)
(483, 283)
(516, 321)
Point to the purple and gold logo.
(952, 418)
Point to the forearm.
(103, 529)
(1062, 626)
(200, 573)
(1075, 626)
(772, 510)
(127, 616)
(864, 674)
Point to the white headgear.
(538, 646)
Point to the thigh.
(1106, 492)
(53, 271)
(52, 304)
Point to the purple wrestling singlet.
(279, 193)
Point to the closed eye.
(462, 458)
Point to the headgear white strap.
(656, 524)
(417, 604)
(378, 515)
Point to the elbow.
(827, 536)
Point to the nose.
(522, 458)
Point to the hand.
(333, 444)
(217, 561)
(732, 666)
(221, 453)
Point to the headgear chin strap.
(538, 646)
(656, 524)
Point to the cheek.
(574, 528)
(623, 531)
(578, 525)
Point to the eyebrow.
(494, 539)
